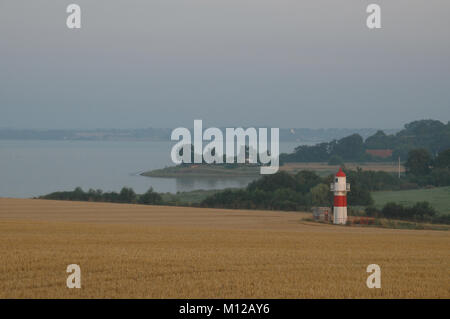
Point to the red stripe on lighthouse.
(340, 201)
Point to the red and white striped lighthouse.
(340, 189)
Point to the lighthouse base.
(339, 215)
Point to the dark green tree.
(350, 147)
(150, 197)
(127, 195)
(305, 180)
(320, 195)
(418, 162)
(379, 141)
(443, 159)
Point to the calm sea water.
(33, 168)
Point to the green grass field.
(438, 197)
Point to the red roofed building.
(380, 153)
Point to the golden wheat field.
(132, 251)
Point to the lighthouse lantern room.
(340, 187)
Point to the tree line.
(432, 135)
(126, 195)
(423, 169)
(419, 212)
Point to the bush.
(440, 176)
(372, 211)
(150, 197)
(320, 195)
(393, 210)
(356, 211)
(421, 211)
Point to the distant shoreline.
(294, 135)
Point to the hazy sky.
(276, 63)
